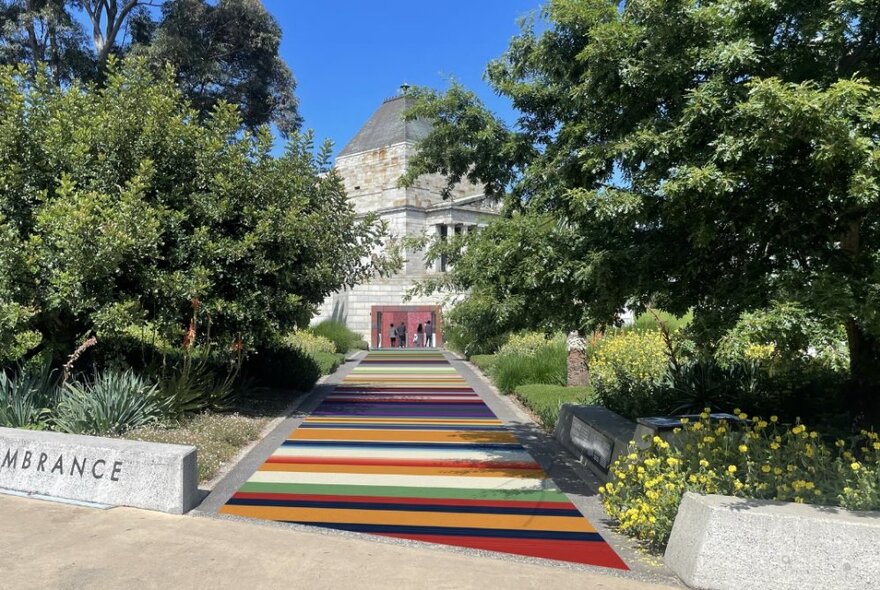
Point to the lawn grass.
(545, 400)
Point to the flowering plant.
(760, 459)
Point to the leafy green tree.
(709, 155)
(44, 31)
(227, 50)
(124, 215)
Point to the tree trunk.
(864, 365)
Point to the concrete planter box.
(102, 470)
(727, 543)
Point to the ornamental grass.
(758, 458)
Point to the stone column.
(578, 372)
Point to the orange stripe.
(400, 517)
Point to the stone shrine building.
(370, 165)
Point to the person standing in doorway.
(429, 334)
(418, 338)
(401, 335)
(393, 333)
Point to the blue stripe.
(528, 511)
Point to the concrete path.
(405, 448)
(49, 545)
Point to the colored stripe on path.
(405, 448)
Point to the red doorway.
(382, 316)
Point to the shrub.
(647, 322)
(115, 401)
(545, 400)
(282, 367)
(628, 370)
(761, 460)
(342, 337)
(26, 400)
(524, 343)
(546, 365)
(310, 343)
(484, 362)
(785, 338)
(328, 362)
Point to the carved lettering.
(94, 468)
(26, 462)
(77, 464)
(59, 464)
(10, 460)
(117, 469)
(40, 465)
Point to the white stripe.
(428, 481)
(439, 454)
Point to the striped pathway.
(403, 447)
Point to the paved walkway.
(405, 448)
(50, 545)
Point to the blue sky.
(349, 55)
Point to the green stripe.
(404, 492)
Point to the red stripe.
(410, 400)
(406, 462)
(586, 552)
(391, 500)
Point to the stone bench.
(101, 470)
(727, 543)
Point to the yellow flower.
(672, 461)
(704, 463)
(742, 415)
(743, 449)
(765, 469)
(774, 419)
(601, 489)
(877, 446)
(777, 471)
(685, 420)
(855, 465)
(731, 469)
(697, 426)
(814, 434)
(774, 446)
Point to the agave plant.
(115, 401)
(27, 399)
(193, 387)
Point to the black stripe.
(533, 511)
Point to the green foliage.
(328, 362)
(762, 460)
(283, 367)
(112, 403)
(785, 338)
(628, 369)
(545, 400)
(653, 319)
(193, 387)
(27, 399)
(483, 362)
(124, 215)
(546, 365)
(682, 155)
(474, 325)
(215, 62)
(310, 343)
(523, 344)
(338, 333)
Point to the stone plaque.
(101, 470)
(594, 445)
